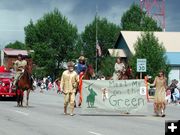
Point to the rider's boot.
(14, 85)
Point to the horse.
(87, 75)
(123, 75)
(24, 83)
(129, 72)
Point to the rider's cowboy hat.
(20, 55)
(70, 64)
(82, 58)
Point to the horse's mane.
(25, 80)
(87, 75)
(26, 73)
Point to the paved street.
(45, 117)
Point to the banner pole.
(146, 83)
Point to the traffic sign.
(141, 65)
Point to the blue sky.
(15, 14)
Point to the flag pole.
(96, 40)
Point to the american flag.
(98, 49)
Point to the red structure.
(9, 56)
(156, 9)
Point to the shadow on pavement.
(24, 106)
(7, 99)
(121, 115)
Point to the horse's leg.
(27, 97)
(21, 98)
(18, 97)
(80, 96)
(18, 100)
(80, 101)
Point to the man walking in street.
(69, 83)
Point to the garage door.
(174, 73)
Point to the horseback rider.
(119, 68)
(81, 66)
(81, 69)
(19, 66)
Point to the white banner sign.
(108, 96)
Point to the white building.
(170, 40)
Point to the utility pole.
(96, 41)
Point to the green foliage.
(107, 36)
(79, 50)
(30, 35)
(148, 47)
(107, 66)
(135, 19)
(53, 38)
(16, 45)
(39, 73)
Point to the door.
(174, 74)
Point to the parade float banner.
(111, 96)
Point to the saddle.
(28, 74)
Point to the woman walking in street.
(159, 99)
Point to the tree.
(135, 19)
(31, 35)
(16, 45)
(107, 66)
(107, 36)
(148, 47)
(53, 38)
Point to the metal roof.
(170, 40)
(15, 52)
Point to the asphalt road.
(45, 117)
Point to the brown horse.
(24, 84)
(123, 76)
(87, 75)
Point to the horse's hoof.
(79, 104)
